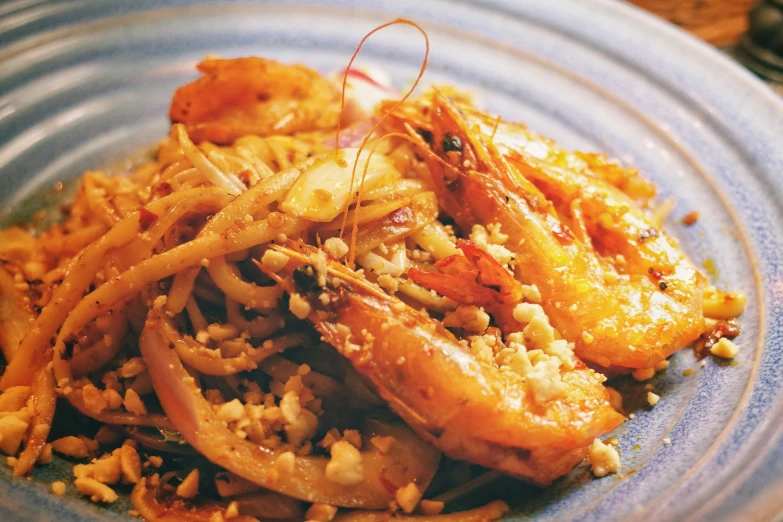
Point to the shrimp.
(257, 96)
(468, 408)
(611, 282)
(475, 278)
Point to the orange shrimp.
(468, 408)
(475, 278)
(611, 282)
(258, 96)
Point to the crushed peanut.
(133, 403)
(345, 466)
(58, 488)
(336, 247)
(320, 512)
(71, 446)
(130, 464)
(431, 508)
(382, 444)
(97, 491)
(189, 486)
(469, 317)
(408, 497)
(299, 306)
(604, 459)
(12, 430)
(724, 348)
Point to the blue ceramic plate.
(82, 84)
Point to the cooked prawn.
(256, 96)
(469, 409)
(611, 282)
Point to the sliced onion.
(379, 265)
(324, 189)
(410, 459)
(206, 167)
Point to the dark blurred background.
(720, 22)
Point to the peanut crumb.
(189, 486)
(58, 488)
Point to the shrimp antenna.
(423, 68)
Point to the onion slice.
(324, 189)
(410, 460)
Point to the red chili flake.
(386, 483)
(690, 218)
(146, 218)
(727, 329)
(163, 188)
(244, 177)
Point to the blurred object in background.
(720, 22)
(761, 48)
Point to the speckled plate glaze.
(85, 83)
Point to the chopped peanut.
(604, 459)
(724, 348)
(58, 487)
(130, 463)
(93, 399)
(189, 487)
(134, 404)
(345, 466)
(319, 512)
(408, 497)
(382, 444)
(71, 447)
(431, 508)
(97, 491)
(12, 430)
